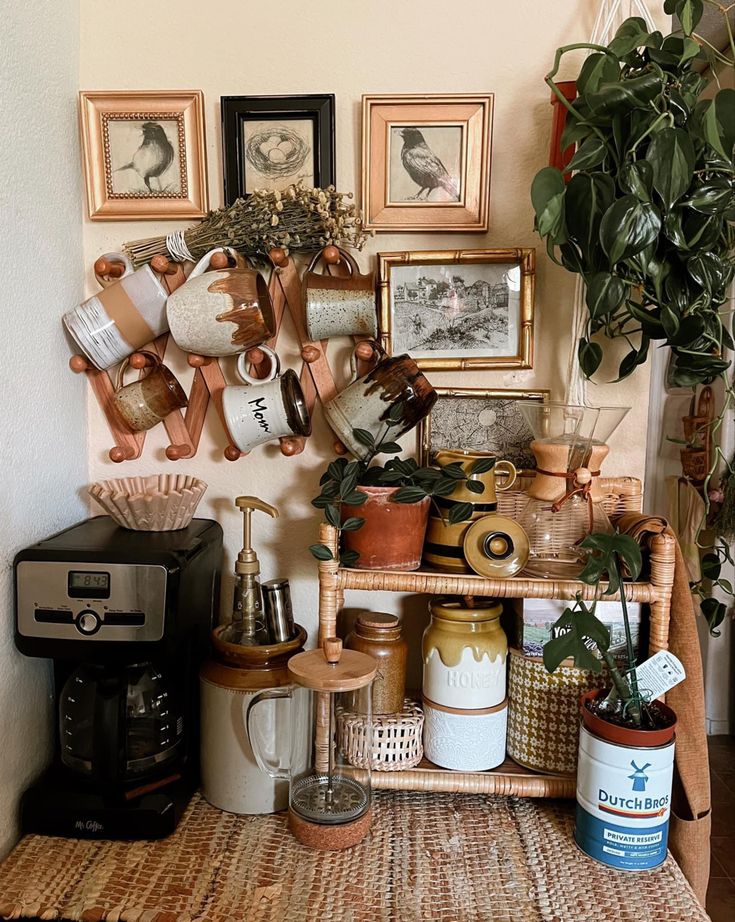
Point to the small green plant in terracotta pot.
(626, 746)
(381, 510)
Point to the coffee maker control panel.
(108, 602)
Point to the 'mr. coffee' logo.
(259, 407)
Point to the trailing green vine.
(647, 217)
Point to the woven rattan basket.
(623, 494)
(543, 712)
(396, 740)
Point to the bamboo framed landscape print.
(144, 154)
(426, 162)
(476, 419)
(459, 309)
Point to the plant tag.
(656, 676)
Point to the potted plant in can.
(381, 511)
(626, 747)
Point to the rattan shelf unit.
(622, 495)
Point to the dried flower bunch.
(297, 219)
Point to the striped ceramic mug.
(121, 318)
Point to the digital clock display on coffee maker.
(86, 584)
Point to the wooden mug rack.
(184, 430)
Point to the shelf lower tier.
(507, 779)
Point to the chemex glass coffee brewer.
(565, 499)
(329, 796)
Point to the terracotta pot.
(392, 537)
(625, 736)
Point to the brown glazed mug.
(221, 312)
(367, 402)
(144, 403)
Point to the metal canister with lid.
(464, 651)
(379, 635)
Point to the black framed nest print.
(273, 142)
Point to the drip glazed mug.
(266, 408)
(117, 321)
(366, 403)
(339, 306)
(223, 312)
(144, 403)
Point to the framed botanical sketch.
(272, 142)
(459, 309)
(144, 154)
(426, 162)
(475, 419)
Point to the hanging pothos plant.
(647, 216)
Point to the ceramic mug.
(339, 306)
(367, 401)
(223, 312)
(265, 409)
(117, 321)
(144, 403)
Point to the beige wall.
(43, 461)
(349, 49)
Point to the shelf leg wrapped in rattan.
(623, 494)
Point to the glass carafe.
(330, 700)
(118, 723)
(565, 500)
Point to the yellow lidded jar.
(464, 651)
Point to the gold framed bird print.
(426, 162)
(144, 154)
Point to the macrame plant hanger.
(609, 18)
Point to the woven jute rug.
(438, 857)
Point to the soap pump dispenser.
(248, 623)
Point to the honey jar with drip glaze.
(464, 651)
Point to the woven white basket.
(396, 739)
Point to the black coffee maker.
(126, 617)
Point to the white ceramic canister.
(464, 652)
(230, 777)
(468, 741)
(623, 802)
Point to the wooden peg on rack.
(198, 361)
(105, 268)
(331, 255)
(292, 445)
(171, 272)
(163, 265)
(219, 261)
(119, 453)
(310, 354)
(278, 257)
(141, 360)
(256, 356)
(78, 364)
(233, 453)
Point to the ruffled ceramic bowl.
(161, 502)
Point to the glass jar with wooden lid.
(464, 651)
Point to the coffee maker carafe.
(119, 724)
(126, 617)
